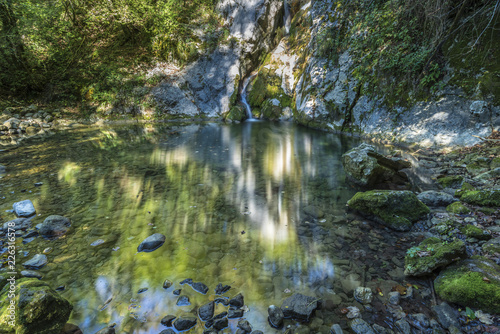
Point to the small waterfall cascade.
(243, 95)
(287, 19)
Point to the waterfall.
(286, 18)
(246, 81)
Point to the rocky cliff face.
(205, 88)
(326, 94)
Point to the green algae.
(432, 254)
(396, 209)
(473, 282)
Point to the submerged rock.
(39, 309)
(37, 262)
(185, 323)
(24, 208)
(107, 330)
(220, 324)
(299, 307)
(151, 243)
(368, 168)
(432, 254)
(167, 284)
(183, 301)
(395, 209)
(363, 295)
(237, 301)
(200, 287)
(275, 316)
(234, 313)
(473, 282)
(31, 274)
(168, 331)
(359, 326)
(206, 312)
(17, 224)
(55, 226)
(221, 289)
(245, 326)
(167, 320)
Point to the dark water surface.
(259, 206)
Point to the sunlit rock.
(151, 243)
(24, 208)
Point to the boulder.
(457, 208)
(275, 316)
(24, 209)
(366, 167)
(395, 209)
(446, 315)
(435, 198)
(482, 197)
(492, 246)
(473, 282)
(432, 254)
(55, 226)
(299, 307)
(39, 309)
(151, 243)
(472, 231)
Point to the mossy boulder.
(492, 246)
(271, 110)
(395, 209)
(236, 113)
(482, 197)
(267, 86)
(366, 167)
(432, 254)
(457, 208)
(452, 181)
(473, 282)
(39, 309)
(465, 188)
(472, 231)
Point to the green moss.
(237, 113)
(495, 163)
(464, 284)
(265, 87)
(431, 254)
(234, 97)
(482, 197)
(492, 246)
(457, 208)
(396, 209)
(465, 187)
(472, 231)
(453, 181)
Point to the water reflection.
(251, 205)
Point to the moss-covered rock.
(465, 188)
(271, 110)
(473, 282)
(39, 309)
(457, 208)
(432, 254)
(492, 246)
(453, 181)
(482, 197)
(395, 209)
(472, 231)
(266, 87)
(236, 113)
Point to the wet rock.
(395, 209)
(394, 297)
(185, 323)
(206, 312)
(54, 226)
(31, 234)
(220, 324)
(473, 282)
(245, 326)
(167, 320)
(446, 315)
(363, 295)
(151, 243)
(200, 287)
(221, 289)
(183, 301)
(223, 301)
(31, 274)
(37, 262)
(24, 209)
(435, 198)
(12, 123)
(432, 254)
(188, 281)
(17, 224)
(167, 284)
(366, 167)
(167, 331)
(177, 292)
(299, 307)
(275, 316)
(107, 330)
(403, 326)
(237, 301)
(336, 329)
(234, 313)
(39, 309)
(359, 326)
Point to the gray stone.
(237, 301)
(394, 297)
(419, 320)
(167, 284)
(183, 301)
(478, 107)
(55, 226)
(206, 312)
(446, 315)
(381, 330)
(403, 326)
(17, 224)
(37, 262)
(167, 320)
(336, 329)
(220, 324)
(436, 198)
(31, 274)
(245, 326)
(24, 208)
(184, 323)
(299, 307)
(363, 295)
(275, 316)
(359, 326)
(151, 243)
